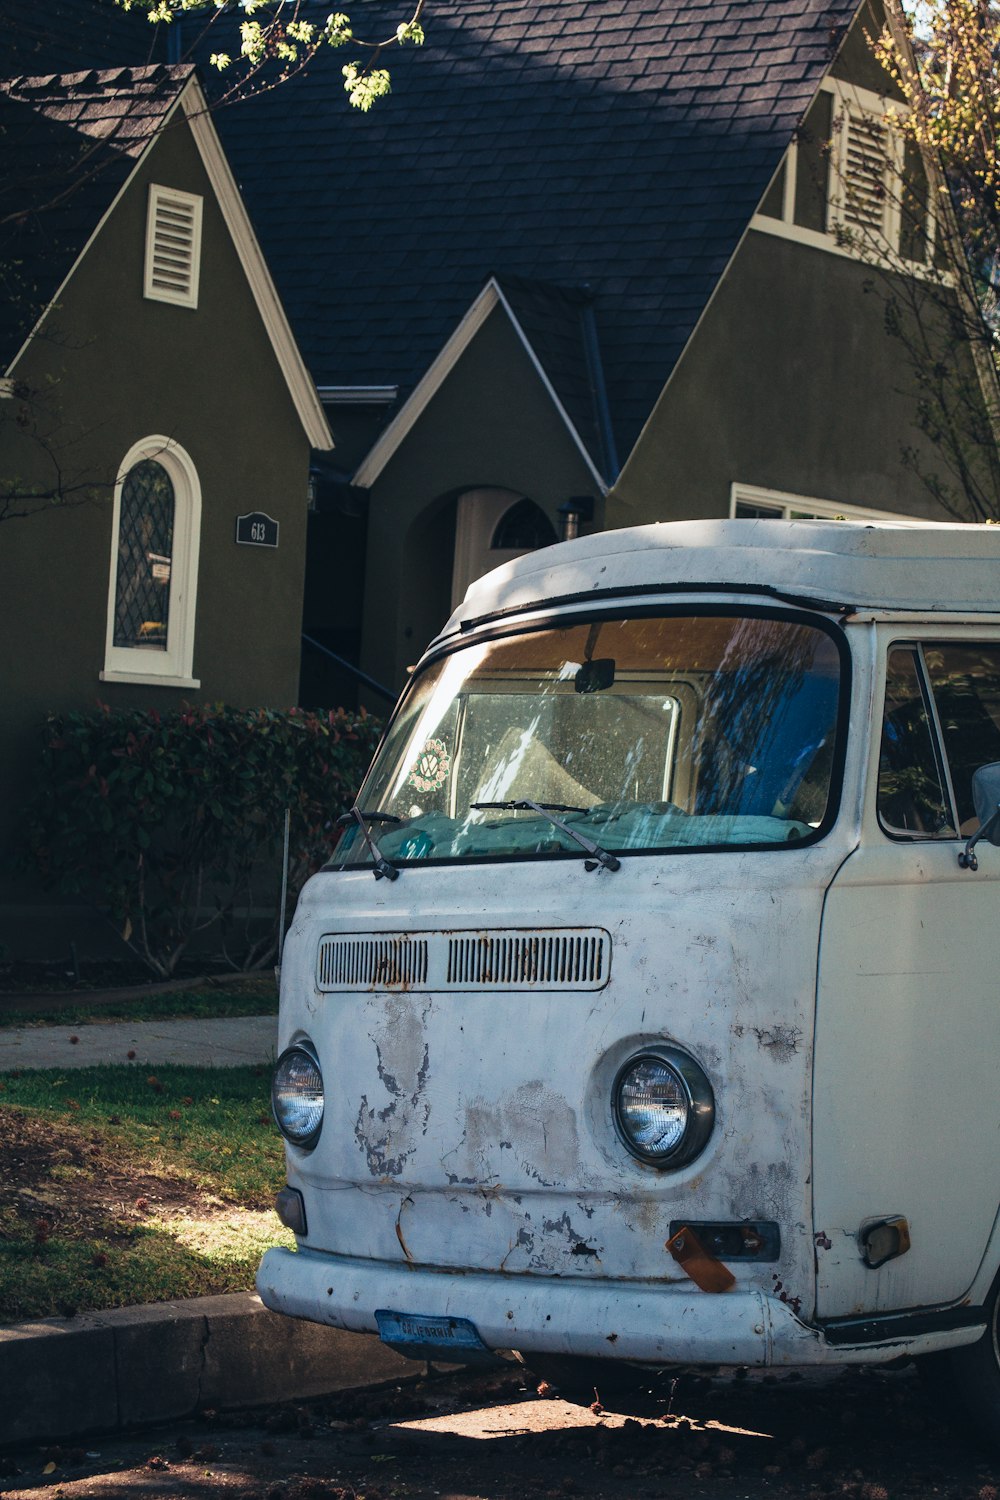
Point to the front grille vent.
(516, 960)
(387, 963)
(577, 958)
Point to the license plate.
(423, 1336)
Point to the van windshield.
(698, 730)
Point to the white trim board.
(815, 240)
(413, 408)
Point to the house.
(153, 395)
(589, 265)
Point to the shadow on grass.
(121, 1186)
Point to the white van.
(646, 1011)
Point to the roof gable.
(75, 142)
(552, 326)
(527, 141)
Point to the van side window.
(965, 680)
(911, 795)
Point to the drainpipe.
(599, 393)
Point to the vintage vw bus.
(647, 1009)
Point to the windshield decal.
(432, 767)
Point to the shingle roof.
(69, 141)
(621, 144)
(62, 35)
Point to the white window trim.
(172, 667)
(847, 96)
(157, 194)
(783, 502)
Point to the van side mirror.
(986, 797)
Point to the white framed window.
(851, 185)
(173, 246)
(750, 502)
(152, 587)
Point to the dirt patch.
(858, 1436)
(60, 1181)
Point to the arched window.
(154, 567)
(524, 527)
(145, 555)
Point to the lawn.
(248, 995)
(120, 1186)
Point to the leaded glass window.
(145, 553)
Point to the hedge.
(169, 823)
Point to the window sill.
(150, 679)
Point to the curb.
(63, 1378)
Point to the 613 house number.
(256, 529)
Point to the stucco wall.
(123, 368)
(790, 383)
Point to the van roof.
(842, 565)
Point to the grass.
(251, 996)
(119, 1186)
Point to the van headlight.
(663, 1107)
(297, 1096)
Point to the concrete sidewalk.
(220, 1042)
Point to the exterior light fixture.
(574, 510)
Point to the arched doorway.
(493, 526)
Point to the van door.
(907, 1086)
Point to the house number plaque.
(256, 530)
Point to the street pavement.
(219, 1042)
(475, 1437)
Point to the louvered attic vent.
(173, 246)
(866, 162)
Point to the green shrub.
(167, 823)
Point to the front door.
(907, 1066)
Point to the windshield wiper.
(598, 855)
(382, 869)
